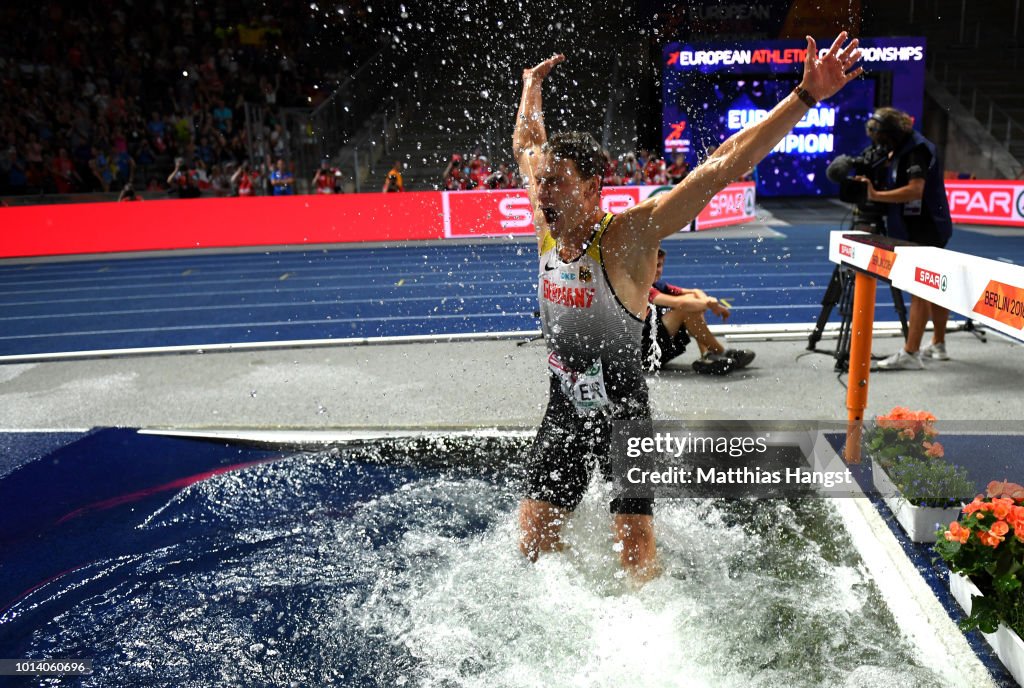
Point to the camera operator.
(872, 162)
(916, 210)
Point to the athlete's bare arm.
(666, 213)
(691, 302)
(529, 135)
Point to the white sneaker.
(901, 360)
(935, 352)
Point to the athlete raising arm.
(595, 273)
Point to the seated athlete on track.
(678, 315)
(595, 273)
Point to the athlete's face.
(660, 268)
(567, 200)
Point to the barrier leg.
(860, 362)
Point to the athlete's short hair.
(580, 147)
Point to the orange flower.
(1005, 489)
(957, 533)
(989, 540)
(999, 529)
(1001, 507)
(906, 434)
(933, 449)
(1016, 518)
(974, 506)
(895, 418)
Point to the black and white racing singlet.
(593, 341)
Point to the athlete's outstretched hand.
(541, 71)
(824, 76)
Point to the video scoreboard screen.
(711, 91)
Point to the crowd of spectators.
(94, 96)
(474, 171)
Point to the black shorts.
(568, 444)
(670, 346)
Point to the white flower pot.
(1008, 646)
(919, 522)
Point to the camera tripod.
(840, 293)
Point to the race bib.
(586, 389)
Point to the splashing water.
(352, 569)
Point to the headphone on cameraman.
(888, 125)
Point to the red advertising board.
(217, 223)
(986, 202)
(501, 213)
(47, 230)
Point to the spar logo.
(931, 279)
(516, 212)
(615, 203)
(728, 203)
(748, 202)
(1020, 204)
(846, 250)
(982, 203)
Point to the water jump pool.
(394, 563)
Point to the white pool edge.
(940, 645)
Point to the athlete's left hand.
(718, 308)
(824, 76)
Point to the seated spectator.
(479, 171)
(182, 181)
(128, 194)
(125, 165)
(13, 170)
(500, 178)
(219, 182)
(102, 168)
(327, 179)
(454, 179)
(282, 180)
(396, 170)
(678, 170)
(391, 184)
(65, 177)
(244, 180)
(157, 129)
(630, 170)
(654, 171)
(611, 176)
(674, 316)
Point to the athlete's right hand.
(541, 71)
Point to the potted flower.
(911, 474)
(985, 554)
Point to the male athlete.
(595, 272)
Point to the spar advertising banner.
(49, 230)
(713, 90)
(989, 291)
(501, 213)
(986, 202)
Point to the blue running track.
(435, 289)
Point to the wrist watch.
(803, 95)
